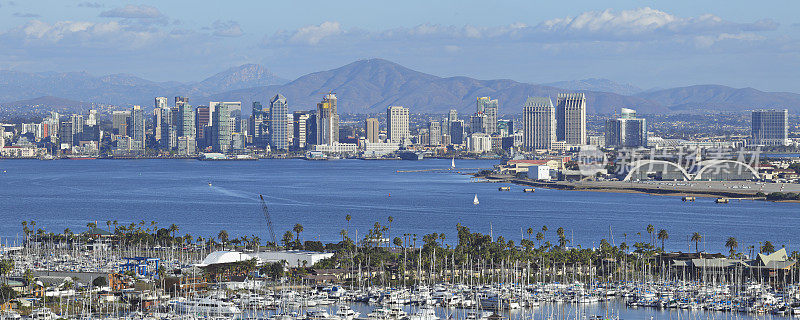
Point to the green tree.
(288, 238)
(297, 229)
(697, 238)
(767, 248)
(223, 238)
(650, 230)
(732, 244)
(663, 236)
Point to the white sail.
(453, 163)
(475, 201)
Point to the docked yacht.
(347, 313)
(205, 306)
(424, 314)
(320, 314)
(42, 314)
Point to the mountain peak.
(240, 77)
(597, 84)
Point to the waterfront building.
(258, 126)
(278, 124)
(489, 108)
(202, 120)
(327, 120)
(376, 149)
(336, 148)
(187, 146)
(571, 118)
(166, 129)
(220, 128)
(538, 124)
(770, 127)
(457, 132)
(479, 142)
(371, 130)
(434, 133)
(185, 122)
(136, 129)
(300, 121)
(397, 124)
(626, 131)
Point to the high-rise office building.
(119, 122)
(278, 124)
(136, 128)
(371, 130)
(626, 131)
(221, 128)
(179, 101)
(185, 122)
(259, 124)
(538, 124)
(397, 124)
(304, 133)
(571, 118)
(166, 128)
(457, 132)
(770, 127)
(327, 121)
(202, 119)
(434, 133)
(490, 108)
(160, 102)
(91, 119)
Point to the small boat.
(721, 200)
(209, 184)
(504, 189)
(475, 201)
(687, 198)
(528, 190)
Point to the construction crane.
(269, 220)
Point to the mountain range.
(369, 86)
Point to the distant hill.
(369, 86)
(43, 104)
(125, 89)
(721, 98)
(595, 84)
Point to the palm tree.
(650, 230)
(663, 236)
(530, 232)
(343, 233)
(539, 237)
(732, 244)
(223, 237)
(297, 229)
(767, 248)
(544, 232)
(391, 219)
(697, 238)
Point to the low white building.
(479, 142)
(291, 258)
(336, 148)
(379, 148)
(539, 172)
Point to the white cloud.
(315, 33)
(133, 12)
(227, 29)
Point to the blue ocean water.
(318, 194)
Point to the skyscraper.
(278, 124)
(571, 118)
(300, 125)
(160, 102)
(327, 121)
(119, 122)
(770, 127)
(371, 130)
(397, 124)
(626, 131)
(220, 128)
(489, 108)
(539, 124)
(185, 122)
(202, 119)
(258, 124)
(457, 132)
(168, 139)
(435, 133)
(136, 128)
(179, 101)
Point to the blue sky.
(645, 43)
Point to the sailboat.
(453, 163)
(475, 201)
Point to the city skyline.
(586, 40)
